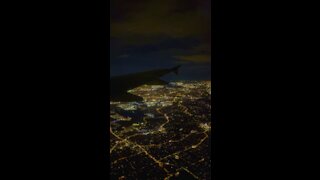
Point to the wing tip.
(176, 69)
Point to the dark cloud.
(153, 20)
(160, 32)
(197, 58)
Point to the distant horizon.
(152, 34)
(186, 72)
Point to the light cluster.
(167, 135)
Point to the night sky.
(151, 34)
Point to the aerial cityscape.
(160, 90)
(167, 136)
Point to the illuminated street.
(165, 137)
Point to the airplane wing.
(119, 86)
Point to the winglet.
(176, 69)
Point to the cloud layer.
(173, 30)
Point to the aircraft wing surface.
(120, 85)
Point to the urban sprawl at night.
(167, 136)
